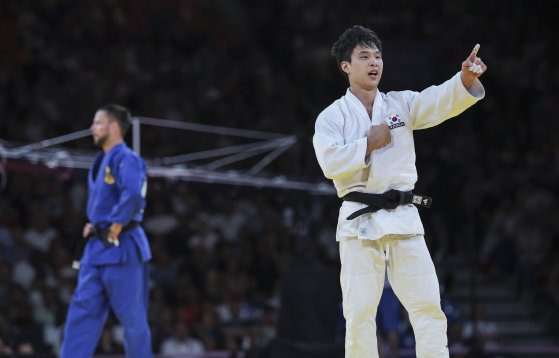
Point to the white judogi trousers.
(412, 275)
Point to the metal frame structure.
(182, 166)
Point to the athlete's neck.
(110, 143)
(367, 97)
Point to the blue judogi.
(113, 277)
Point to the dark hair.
(355, 35)
(119, 113)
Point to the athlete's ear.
(115, 127)
(345, 66)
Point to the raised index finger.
(475, 50)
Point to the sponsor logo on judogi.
(394, 121)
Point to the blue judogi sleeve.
(131, 183)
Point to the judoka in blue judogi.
(113, 274)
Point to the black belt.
(388, 200)
(103, 235)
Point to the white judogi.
(340, 142)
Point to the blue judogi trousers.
(120, 287)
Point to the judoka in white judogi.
(386, 238)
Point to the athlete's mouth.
(373, 73)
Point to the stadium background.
(234, 264)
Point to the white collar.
(378, 106)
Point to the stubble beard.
(100, 141)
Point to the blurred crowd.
(219, 252)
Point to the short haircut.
(119, 113)
(355, 35)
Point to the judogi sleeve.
(337, 158)
(130, 181)
(436, 104)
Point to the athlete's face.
(365, 68)
(100, 128)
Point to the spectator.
(481, 332)
(181, 342)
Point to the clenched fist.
(379, 136)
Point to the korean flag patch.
(394, 121)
